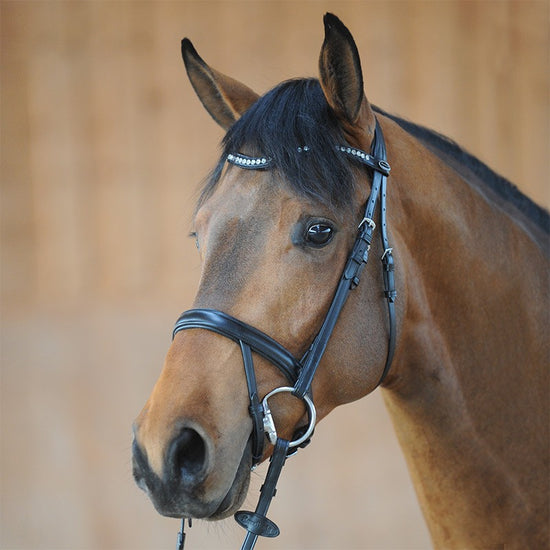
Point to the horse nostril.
(188, 454)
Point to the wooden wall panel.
(107, 143)
(103, 147)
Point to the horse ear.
(223, 97)
(341, 76)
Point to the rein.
(299, 373)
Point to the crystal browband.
(250, 163)
(262, 163)
(379, 165)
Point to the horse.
(461, 359)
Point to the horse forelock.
(294, 126)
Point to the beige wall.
(103, 148)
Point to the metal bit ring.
(269, 424)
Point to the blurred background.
(104, 146)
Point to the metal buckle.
(388, 251)
(384, 167)
(369, 222)
(269, 424)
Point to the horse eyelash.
(193, 235)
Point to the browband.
(263, 163)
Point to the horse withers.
(277, 227)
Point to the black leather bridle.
(300, 373)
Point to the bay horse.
(277, 227)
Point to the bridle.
(300, 373)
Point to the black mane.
(292, 115)
(464, 162)
(295, 114)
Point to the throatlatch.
(300, 373)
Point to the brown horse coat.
(468, 389)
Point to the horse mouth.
(237, 492)
(173, 498)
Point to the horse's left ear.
(341, 76)
(225, 98)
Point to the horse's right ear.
(341, 76)
(223, 97)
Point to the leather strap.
(248, 338)
(354, 267)
(256, 523)
(236, 330)
(255, 407)
(390, 292)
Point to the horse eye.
(319, 234)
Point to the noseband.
(300, 373)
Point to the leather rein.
(300, 373)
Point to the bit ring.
(269, 424)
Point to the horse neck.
(469, 380)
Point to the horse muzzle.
(188, 486)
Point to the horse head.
(273, 241)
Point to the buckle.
(384, 167)
(369, 222)
(387, 252)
